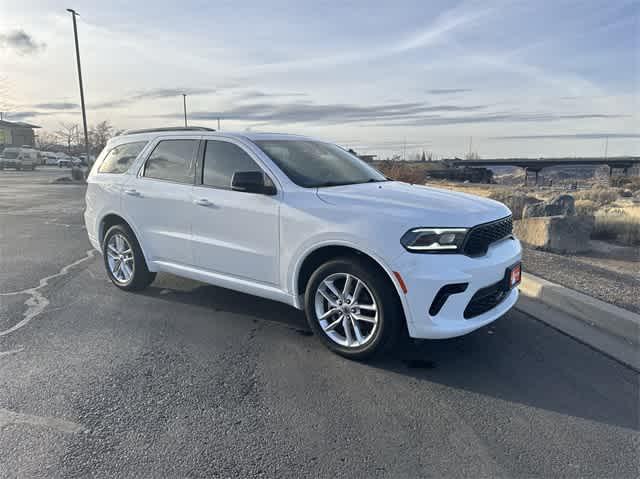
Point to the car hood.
(421, 205)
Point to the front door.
(234, 233)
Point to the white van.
(20, 158)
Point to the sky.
(500, 78)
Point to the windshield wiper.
(373, 180)
(342, 183)
(333, 183)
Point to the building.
(16, 133)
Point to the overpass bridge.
(624, 163)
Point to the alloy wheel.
(120, 258)
(346, 310)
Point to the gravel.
(619, 287)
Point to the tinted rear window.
(120, 158)
(172, 160)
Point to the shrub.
(585, 207)
(600, 196)
(630, 182)
(402, 172)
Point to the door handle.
(132, 192)
(203, 202)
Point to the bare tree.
(47, 141)
(69, 134)
(99, 134)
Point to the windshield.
(314, 164)
(10, 153)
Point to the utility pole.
(470, 145)
(184, 104)
(74, 14)
(218, 123)
(606, 147)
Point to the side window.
(119, 159)
(172, 160)
(221, 160)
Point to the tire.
(117, 241)
(378, 334)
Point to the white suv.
(306, 223)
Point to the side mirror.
(252, 182)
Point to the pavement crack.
(11, 351)
(37, 302)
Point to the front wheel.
(353, 308)
(124, 261)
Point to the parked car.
(49, 158)
(64, 162)
(20, 158)
(304, 222)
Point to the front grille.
(485, 299)
(480, 237)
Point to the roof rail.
(175, 128)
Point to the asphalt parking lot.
(189, 380)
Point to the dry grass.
(618, 224)
(599, 196)
(629, 182)
(586, 207)
(402, 172)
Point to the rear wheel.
(124, 261)
(352, 308)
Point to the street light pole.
(184, 104)
(84, 112)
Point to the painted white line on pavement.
(9, 417)
(11, 351)
(37, 301)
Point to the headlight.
(434, 240)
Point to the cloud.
(448, 91)
(392, 114)
(57, 106)
(444, 25)
(152, 94)
(21, 115)
(439, 31)
(570, 136)
(252, 94)
(294, 112)
(172, 92)
(21, 42)
(436, 120)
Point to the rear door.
(158, 199)
(234, 233)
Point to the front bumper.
(425, 274)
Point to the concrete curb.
(612, 330)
